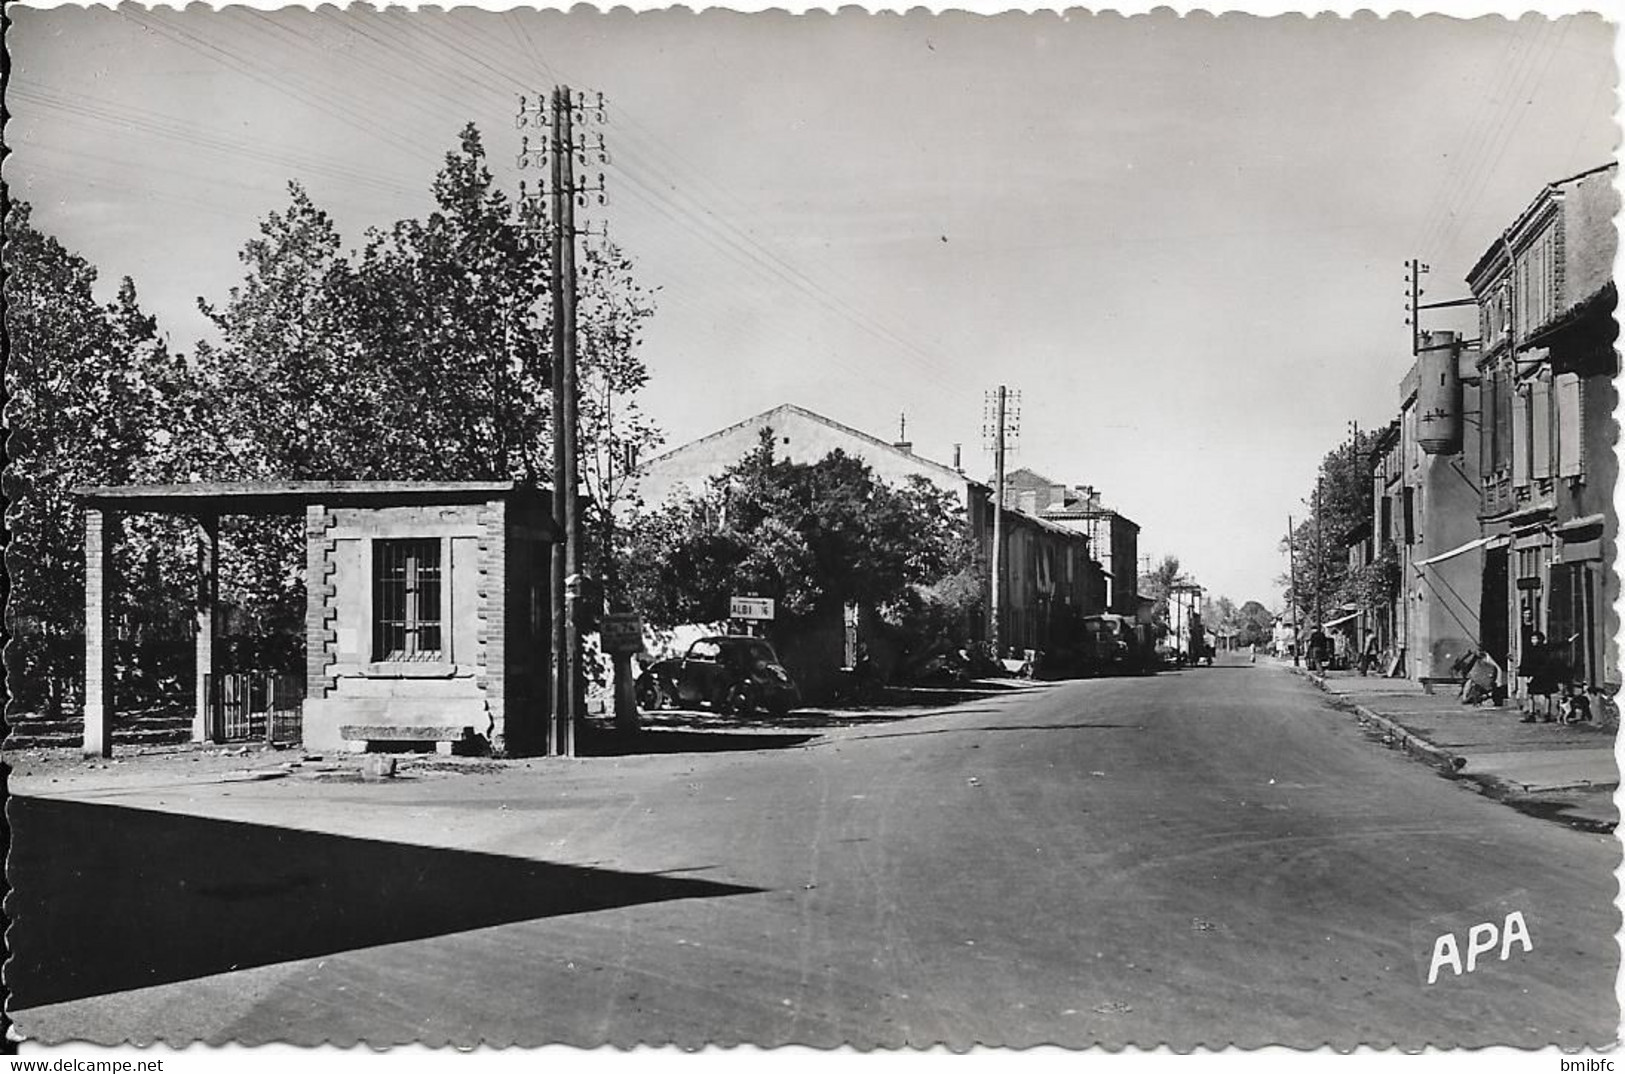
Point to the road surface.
(1207, 856)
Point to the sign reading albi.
(750, 608)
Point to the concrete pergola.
(207, 503)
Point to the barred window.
(406, 600)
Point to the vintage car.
(731, 674)
(1116, 645)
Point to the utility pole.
(1292, 569)
(562, 195)
(563, 133)
(995, 631)
(1414, 271)
(1320, 549)
(1358, 483)
(1004, 424)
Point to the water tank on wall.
(1438, 395)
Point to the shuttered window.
(1540, 429)
(1567, 386)
(1503, 421)
(1520, 438)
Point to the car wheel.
(741, 700)
(652, 694)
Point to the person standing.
(1539, 667)
(1371, 655)
(1317, 649)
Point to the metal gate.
(251, 707)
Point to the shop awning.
(1453, 553)
(1582, 523)
(1344, 619)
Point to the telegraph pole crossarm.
(1002, 422)
(1292, 569)
(560, 152)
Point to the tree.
(94, 397)
(813, 536)
(1158, 583)
(1337, 514)
(422, 356)
(1255, 624)
(1219, 612)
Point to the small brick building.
(427, 607)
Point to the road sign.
(621, 633)
(750, 608)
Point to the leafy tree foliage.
(1340, 511)
(422, 355)
(1373, 586)
(1254, 624)
(1158, 583)
(94, 397)
(1219, 613)
(814, 536)
(425, 355)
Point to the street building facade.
(1049, 575)
(1424, 526)
(1547, 468)
(1493, 488)
(1114, 540)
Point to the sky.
(1181, 240)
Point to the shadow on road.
(668, 739)
(106, 898)
(1012, 727)
(894, 703)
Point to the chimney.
(957, 466)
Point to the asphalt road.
(1209, 856)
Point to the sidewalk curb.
(1409, 740)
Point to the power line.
(1492, 160)
(740, 240)
(159, 125)
(1490, 144)
(373, 126)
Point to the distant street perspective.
(557, 527)
(1207, 856)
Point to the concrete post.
(101, 528)
(208, 596)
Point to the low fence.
(248, 706)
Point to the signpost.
(759, 608)
(621, 633)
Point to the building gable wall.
(799, 436)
